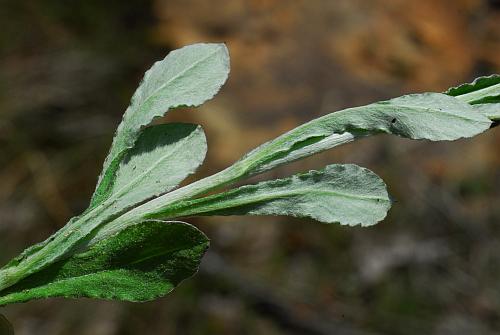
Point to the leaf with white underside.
(188, 76)
(163, 156)
(481, 90)
(430, 116)
(117, 249)
(141, 263)
(345, 194)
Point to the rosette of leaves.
(130, 245)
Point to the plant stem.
(256, 162)
(60, 244)
(283, 149)
(6, 279)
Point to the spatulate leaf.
(162, 157)
(141, 263)
(345, 194)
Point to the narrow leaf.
(481, 90)
(141, 263)
(186, 77)
(345, 194)
(431, 116)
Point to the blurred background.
(68, 69)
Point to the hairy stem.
(60, 245)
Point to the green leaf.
(345, 194)
(186, 77)
(141, 263)
(481, 90)
(430, 116)
(163, 156)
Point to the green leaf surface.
(481, 90)
(141, 263)
(188, 76)
(345, 194)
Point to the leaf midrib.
(63, 280)
(168, 82)
(442, 111)
(251, 199)
(140, 177)
(307, 191)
